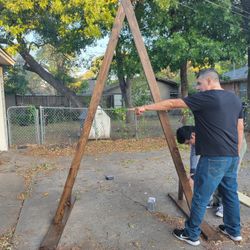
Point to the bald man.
(219, 132)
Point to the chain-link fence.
(23, 125)
(57, 125)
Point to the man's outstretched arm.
(240, 129)
(162, 106)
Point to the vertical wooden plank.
(97, 93)
(128, 8)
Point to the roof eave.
(6, 59)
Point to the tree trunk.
(35, 67)
(184, 80)
(125, 84)
(184, 88)
(246, 25)
(128, 101)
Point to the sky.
(93, 51)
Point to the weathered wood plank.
(208, 231)
(244, 199)
(97, 93)
(55, 231)
(148, 70)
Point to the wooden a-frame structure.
(66, 202)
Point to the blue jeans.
(213, 172)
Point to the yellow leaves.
(75, 2)
(75, 85)
(66, 19)
(200, 67)
(19, 5)
(15, 30)
(43, 3)
(82, 18)
(164, 4)
(97, 12)
(88, 74)
(92, 31)
(13, 49)
(57, 6)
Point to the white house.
(5, 59)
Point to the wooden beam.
(97, 93)
(128, 8)
(244, 199)
(55, 231)
(208, 232)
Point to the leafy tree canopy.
(15, 81)
(68, 25)
(196, 31)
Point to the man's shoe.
(179, 234)
(219, 211)
(234, 238)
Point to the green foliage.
(117, 114)
(188, 116)
(194, 31)
(165, 4)
(68, 25)
(15, 81)
(24, 117)
(140, 91)
(60, 29)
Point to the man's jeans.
(211, 172)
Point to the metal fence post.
(136, 127)
(37, 127)
(41, 125)
(8, 126)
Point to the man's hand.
(139, 110)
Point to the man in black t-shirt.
(219, 132)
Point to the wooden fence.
(43, 100)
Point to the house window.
(242, 90)
(173, 94)
(117, 100)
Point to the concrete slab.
(38, 211)
(112, 214)
(11, 185)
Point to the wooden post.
(53, 235)
(156, 96)
(180, 191)
(207, 230)
(97, 93)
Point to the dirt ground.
(108, 214)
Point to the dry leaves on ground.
(177, 222)
(5, 240)
(100, 147)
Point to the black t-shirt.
(216, 114)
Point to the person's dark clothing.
(216, 114)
